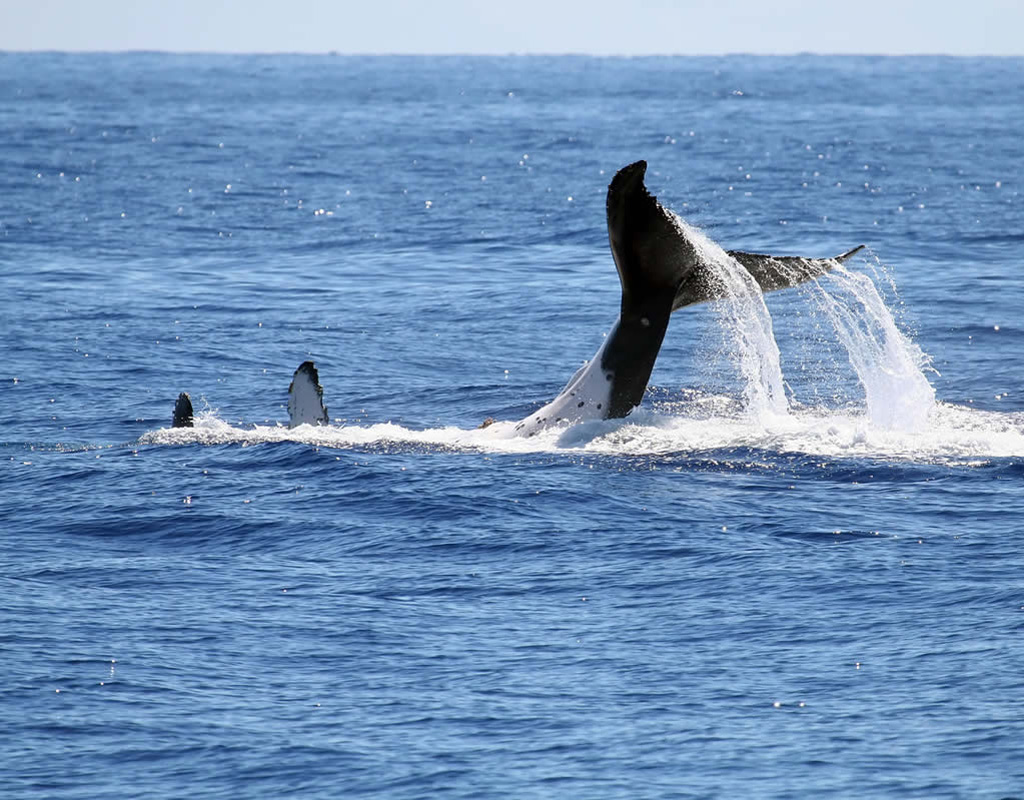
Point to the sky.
(600, 27)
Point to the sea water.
(794, 571)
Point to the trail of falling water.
(745, 316)
(888, 365)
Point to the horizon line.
(500, 54)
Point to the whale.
(660, 271)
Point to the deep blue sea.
(699, 601)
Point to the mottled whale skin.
(660, 271)
(306, 398)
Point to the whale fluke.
(841, 258)
(306, 398)
(783, 272)
(182, 411)
(770, 272)
(660, 271)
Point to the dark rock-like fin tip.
(182, 411)
(849, 253)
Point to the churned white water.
(951, 434)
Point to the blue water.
(693, 602)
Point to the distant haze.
(638, 27)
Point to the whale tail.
(783, 272)
(655, 256)
(660, 271)
(770, 272)
(182, 411)
(306, 398)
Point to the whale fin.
(770, 272)
(782, 272)
(306, 398)
(182, 411)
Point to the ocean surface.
(712, 598)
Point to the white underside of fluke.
(585, 397)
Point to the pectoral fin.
(306, 398)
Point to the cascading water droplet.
(888, 365)
(747, 321)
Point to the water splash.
(888, 365)
(745, 317)
(696, 425)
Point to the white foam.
(952, 434)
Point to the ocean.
(714, 597)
